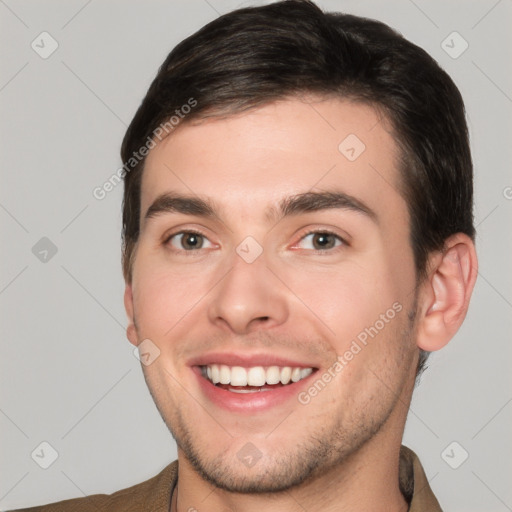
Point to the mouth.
(238, 379)
(242, 385)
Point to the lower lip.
(249, 402)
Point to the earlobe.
(446, 292)
(131, 332)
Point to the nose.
(248, 298)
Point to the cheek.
(164, 297)
(349, 299)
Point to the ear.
(131, 332)
(446, 292)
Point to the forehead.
(252, 160)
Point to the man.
(298, 236)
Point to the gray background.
(68, 375)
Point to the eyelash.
(343, 244)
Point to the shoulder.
(152, 495)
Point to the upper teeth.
(254, 376)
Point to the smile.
(238, 379)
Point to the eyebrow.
(177, 203)
(316, 201)
(288, 206)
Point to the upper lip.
(248, 360)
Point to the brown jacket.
(154, 495)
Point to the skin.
(297, 299)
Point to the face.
(274, 284)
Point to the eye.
(189, 241)
(320, 241)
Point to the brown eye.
(189, 241)
(321, 241)
(324, 241)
